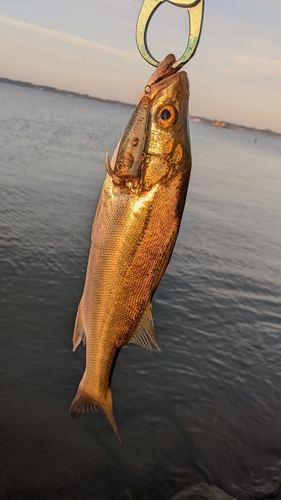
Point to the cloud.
(253, 71)
(64, 37)
(259, 66)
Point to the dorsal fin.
(144, 333)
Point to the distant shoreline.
(70, 93)
(58, 91)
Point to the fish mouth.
(179, 82)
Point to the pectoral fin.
(79, 333)
(144, 333)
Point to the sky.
(88, 46)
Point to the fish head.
(155, 143)
(167, 145)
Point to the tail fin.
(84, 403)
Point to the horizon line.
(73, 93)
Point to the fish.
(133, 235)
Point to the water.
(207, 408)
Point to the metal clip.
(195, 12)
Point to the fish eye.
(167, 116)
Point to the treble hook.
(195, 13)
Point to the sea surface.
(207, 408)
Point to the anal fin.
(144, 333)
(79, 333)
